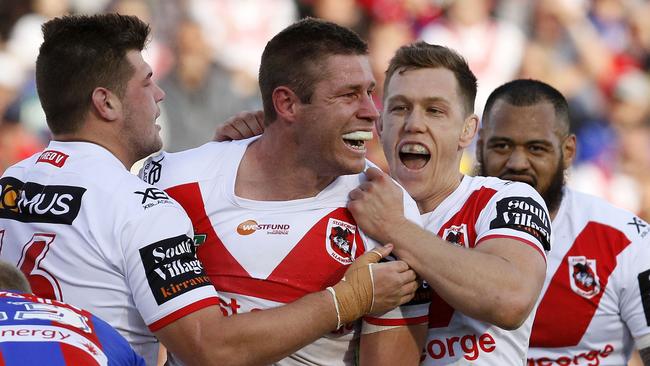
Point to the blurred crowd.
(205, 55)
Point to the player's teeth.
(414, 149)
(358, 135)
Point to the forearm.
(206, 337)
(483, 286)
(260, 336)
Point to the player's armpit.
(397, 346)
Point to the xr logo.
(153, 194)
(639, 224)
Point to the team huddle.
(280, 243)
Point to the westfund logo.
(32, 202)
(524, 214)
(172, 268)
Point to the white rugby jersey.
(262, 254)
(483, 208)
(596, 297)
(86, 231)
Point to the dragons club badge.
(457, 235)
(339, 241)
(583, 276)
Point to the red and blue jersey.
(37, 331)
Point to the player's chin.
(354, 166)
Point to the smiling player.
(316, 86)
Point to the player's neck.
(438, 192)
(272, 172)
(110, 144)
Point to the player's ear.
(286, 103)
(470, 126)
(106, 104)
(569, 150)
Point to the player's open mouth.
(357, 140)
(414, 156)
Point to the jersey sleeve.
(517, 212)
(166, 278)
(414, 312)
(634, 297)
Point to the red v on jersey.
(189, 196)
(598, 245)
(440, 313)
(307, 268)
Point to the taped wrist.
(354, 294)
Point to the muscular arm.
(206, 337)
(497, 282)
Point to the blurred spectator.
(23, 43)
(200, 92)
(621, 173)
(157, 52)
(242, 30)
(493, 47)
(15, 142)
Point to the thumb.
(375, 255)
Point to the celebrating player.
(86, 231)
(483, 250)
(594, 306)
(272, 210)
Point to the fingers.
(373, 173)
(227, 132)
(372, 256)
(355, 194)
(258, 127)
(399, 267)
(383, 251)
(251, 124)
(241, 126)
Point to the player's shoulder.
(589, 208)
(139, 198)
(17, 170)
(166, 169)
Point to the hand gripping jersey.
(596, 297)
(482, 208)
(87, 232)
(36, 331)
(262, 254)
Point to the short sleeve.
(166, 278)
(518, 212)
